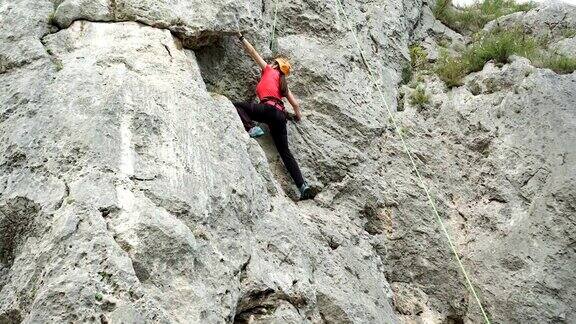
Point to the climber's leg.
(263, 113)
(280, 137)
(244, 110)
(250, 112)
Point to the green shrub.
(419, 97)
(443, 11)
(418, 62)
(497, 46)
(451, 70)
(52, 19)
(418, 57)
(472, 18)
(558, 63)
(569, 33)
(404, 131)
(444, 41)
(499, 8)
(58, 64)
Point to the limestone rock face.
(550, 21)
(130, 192)
(118, 182)
(508, 192)
(566, 46)
(197, 22)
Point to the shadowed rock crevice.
(17, 223)
(18, 217)
(226, 71)
(254, 303)
(11, 317)
(263, 306)
(330, 311)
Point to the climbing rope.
(414, 166)
(273, 34)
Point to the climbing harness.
(414, 166)
(273, 101)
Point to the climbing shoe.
(306, 192)
(256, 132)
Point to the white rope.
(415, 168)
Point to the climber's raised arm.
(252, 52)
(294, 105)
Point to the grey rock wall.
(130, 192)
(506, 140)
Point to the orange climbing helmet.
(284, 65)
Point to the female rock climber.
(271, 111)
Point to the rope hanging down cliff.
(415, 168)
(273, 33)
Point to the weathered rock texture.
(130, 192)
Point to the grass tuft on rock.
(472, 18)
(418, 62)
(418, 57)
(558, 63)
(451, 70)
(569, 32)
(58, 64)
(419, 97)
(496, 46)
(52, 20)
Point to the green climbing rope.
(414, 166)
(273, 34)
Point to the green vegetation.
(58, 64)
(52, 19)
(404, 131)
(496, 46)
(558, 63)
(105, 275)
(569, 33)
(418, 57)
(418, 61)
(473, 18)
(451, 70)
(443, 42)
(419, 97)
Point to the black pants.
(276, 121)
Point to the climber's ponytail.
(283, 85)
